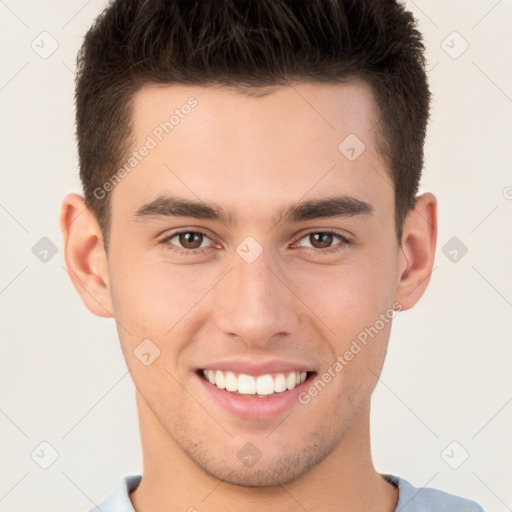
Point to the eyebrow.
(171, 206)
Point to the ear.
(85, 256)
(417, 252)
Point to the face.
(248, 241)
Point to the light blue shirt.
(410, 498)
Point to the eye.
(186, 242)
(195, 242)
(323, 240)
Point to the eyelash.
(343, 241)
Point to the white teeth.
(280, 383)
(246, 384)
(291, 380)
(231, 382)
(262, 385)
(265, 385)
(220, 380)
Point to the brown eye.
(324, 242)
(190, 239)
(321, 240)
(188, 242)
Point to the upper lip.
(252, 367)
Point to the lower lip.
(251, 407)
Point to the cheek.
(158, 302)
(153, 296)
(351, 296)
(354, 302)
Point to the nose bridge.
(254, 303)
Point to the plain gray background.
(445, 393)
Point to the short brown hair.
(247, 44)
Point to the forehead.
(284, 142)
(289, 112)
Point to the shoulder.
(410, 498)
(119, 499)
(426, 499)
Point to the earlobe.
(85, 256)
(417, 251)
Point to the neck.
(344, 481)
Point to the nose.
(255, 304)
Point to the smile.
(261, 385)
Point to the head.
(250, 172)
(252, 47)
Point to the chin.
(278, 466)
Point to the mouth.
(259, 386)
(254, 389)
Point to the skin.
(254, 156)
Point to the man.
(251, 221)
